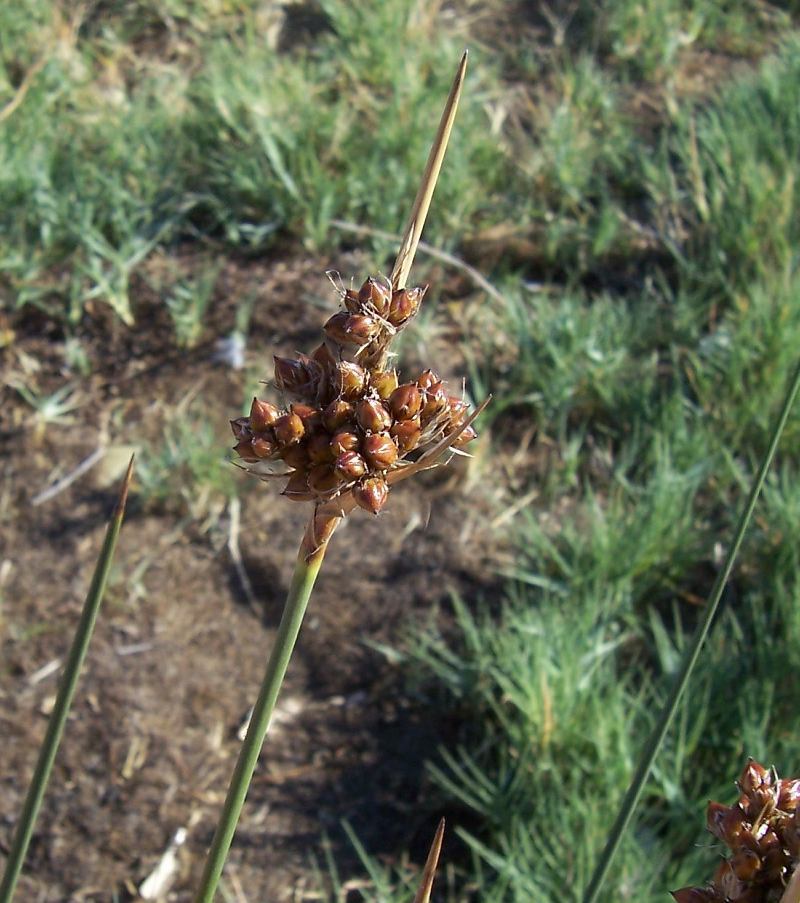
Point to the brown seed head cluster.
(349, 422)
(762, 831)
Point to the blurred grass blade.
(429, 873)
(656, 738)
(66, 692)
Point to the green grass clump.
(187, 472)
(734, 187)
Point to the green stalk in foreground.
(309, 561)
(66, 692)
(342, 442)
(655, 740)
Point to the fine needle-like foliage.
(350, 431)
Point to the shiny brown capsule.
(379, 451)
(263, 447)
(344, 441)
(745, 864)
(428, 378)
(465, 437)
(351, 301)
(336, 414)
(311, 416)
(351, 329)
(350, 466)
(244, 449)
(296, 457)
(435, 400)
(405, 303)
(262, 415)
(376, 294)
(406, 434)
(289, 429)
(319, 449)
(323, 479)
(241, 428)
(753, 777)
(371, 494)
(349, 379)
(405, 402)
(788, 795)
(384, 382)
(297, 377)
(372, 416)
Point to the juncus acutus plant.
(350, 427)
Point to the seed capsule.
(384, 382)
(351, 301)
(753, 777)
(351, 329)
(262, 415)
(350, 379)
(263, 447)
(241, 428)
(726, 882)
(379, 451)
(244, 449)
(372, 416)
(323, 356)
(465, 436)
(311, 417)
(319, 449)
(289, 429)
(788, 795)
(350, 466)
(344, 441)
(745, 864)
(715, 816)
(405, 303)
(296, 457)
(376, 294)
(371, 494)
(297, 377)
(435, 400)
(336, 414)
(405, 401)
(406, 434)
(335, 327)
(428, 378)
(323, 479)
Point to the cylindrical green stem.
(308, 564)
(66, 691)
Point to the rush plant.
(351, 432)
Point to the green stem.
(66, 692)
(655, 740)
(309, 561)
